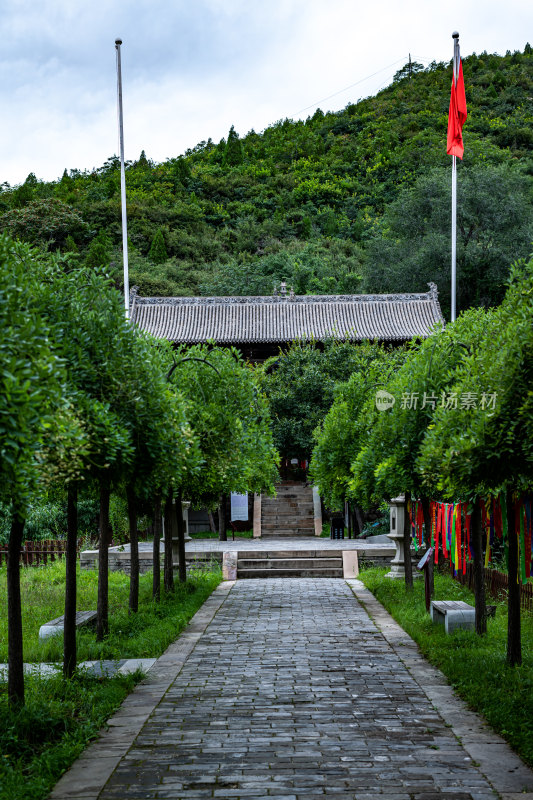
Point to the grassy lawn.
(39, 741)
(475, 666)
(144, 634)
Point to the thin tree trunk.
(347, 509)
(359, 522)
(156, 557)
(134, 550)
(222, 519)
(182, 565)
(15, 680)
(426, 509)
(102, 608)
(212, 526)
(514, 644)
(479, 578)
(69, 629)
(408, 567)
(168, 569)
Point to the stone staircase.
(290, 513)
(289, 564)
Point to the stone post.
(398, 513)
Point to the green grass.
(475, 666)
(211, 535)
(145, 634)
(39, 741)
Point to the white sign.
(239, 507)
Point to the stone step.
(287, 517)
(289, 533)
(322, 572)
(289, 512)
(289, 563)
(287, 522)
(266, 554)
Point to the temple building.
(259, 326)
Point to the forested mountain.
(352, 201)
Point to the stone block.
(56, 626)
(453, 614)
(229, 565)
(350, 564)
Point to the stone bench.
(57, 625)
(453, 614)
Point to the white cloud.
(192, 69)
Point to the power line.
(313, 105)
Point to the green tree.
(233, 155)
(300, 387)
(343, 433)
(489, 448)
(412, 245)
(230, 418)
(158, 250)
(100, 251)
(47, 223)
(39, 434)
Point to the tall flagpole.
(118, 42)
(456, 57)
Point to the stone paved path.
(292, 692)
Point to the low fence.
(41, 552)
(496, 584)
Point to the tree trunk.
(15, 680)
(222, 519)
(359, 521)
(102, 608)
(347, 509)
(514, 644)
(424, 499)
(182, 566)
(408, 567)
(168, 569)
(479, 579)
(156, 557)
(134, 550)
(69, 628)
(212, 526)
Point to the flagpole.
(118, 42)
(455, 37)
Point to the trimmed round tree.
(488, 448)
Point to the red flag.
(457, 116)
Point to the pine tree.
(233, 155)
(99, 253)
(158, 250)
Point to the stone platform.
(200, 552)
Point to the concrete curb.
(90, 772)
(504, 770)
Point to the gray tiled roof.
(235, 320)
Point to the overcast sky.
(192, 69)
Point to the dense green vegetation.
(143, 635)
(456, 428)
(475, 666)
(301, 385)
(41, 739)
(90, 406)
(355, 200)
